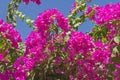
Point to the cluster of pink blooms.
(108, 15)
(105, 14)
(79, 43)
(35, 45)
(91, 53)
(48, 17)
(6, 75)
(22, 65)
(37, 41)
(8, 32)
(84, 56)
(102, 52)
(36, 1)
(85, 69)
(112, 32)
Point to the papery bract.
(89, 9)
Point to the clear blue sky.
(33, 10)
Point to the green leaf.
(117, 39)
(2, 42)
(28, 21)
(9, 6)
(116, 49)
(104, 39)
(83, 1)
(77, 24)
(111, 67)
(22, 17)
(109, 77)
(116, 60)
(83, 6)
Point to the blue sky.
(33, 10)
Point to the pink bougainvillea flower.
(35, 45)
(89, 9)
(24, 64)
(48, 17)
(6, 75)
(106, 14)
(102, 52)
(10, 33)
(19, 75)
(79, 43)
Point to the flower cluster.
(105, 14)
(6, 75)
(36, 1)
(8, 36)
(7, 31)
(37, 41)
(55, 51)
(102, 52)
(48, 17)
(87, 53)
(22, 65)
(35, 45)
(33, 54)
(112, 32)
(87, 68)
(79, 43)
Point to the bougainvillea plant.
(56, 50)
